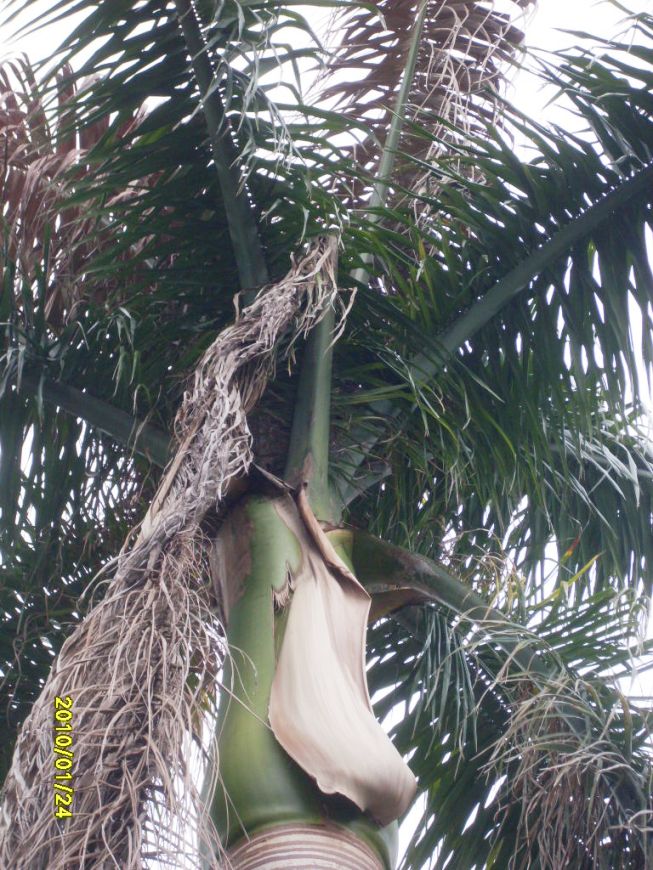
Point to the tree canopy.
(485, 412)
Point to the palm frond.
(474, 431)
(515, 766)
(517, 437)
(464, 52)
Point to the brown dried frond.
(39, 163)
(464, 50)
(142, 667)
(562, 772)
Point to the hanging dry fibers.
(143, 663)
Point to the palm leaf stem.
(423, 367)
(378, 562)
(517, 280)
(381, 471)
(147, 440)
(380, 565)
(308, 454)
(307, 463)
(387, 161)
(243, 229)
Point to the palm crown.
(487, 470)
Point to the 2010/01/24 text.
(64, 757)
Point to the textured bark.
(318, 847)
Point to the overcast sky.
(542, 26)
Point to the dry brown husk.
(38, 165)
(142, 666)
(320, 708)
(465, 49)
(562, 779)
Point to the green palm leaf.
(508, 334)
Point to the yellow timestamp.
(64, 757)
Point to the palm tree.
(396, 364)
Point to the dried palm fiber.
(38, 164)
(464, 48)
(142, 664)
(563, 778)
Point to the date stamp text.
(63, 757)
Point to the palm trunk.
(301, 846)
(268, 811)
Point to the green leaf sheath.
(308, 452)
(260, 786)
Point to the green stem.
(144, 439)
(308, 454)
(243, 229)
(260, 786)
(388, 156)
(11, 445)
(258, 783)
